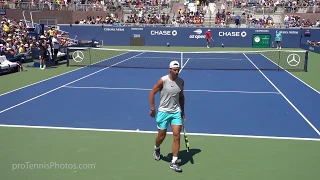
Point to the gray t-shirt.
(169, 95)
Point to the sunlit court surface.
(247, 116)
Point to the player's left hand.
(183, 116)
(152, 113)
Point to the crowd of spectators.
(187, 16)
(152, 18)
(147, 12)
(313, 43)
(222, 16)
(225, 16)
(290, 6)
(265, 22)
(296, 21)
(72, 5)
(15, 42)
(110, 18)
(144, 3)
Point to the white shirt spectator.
(55, 43)
(286, 18)
(223, 7)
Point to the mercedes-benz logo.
(293, 59)
(77, 56)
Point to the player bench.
(8, 67)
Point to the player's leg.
(44, 61)
(162, 124)
(176, 125)
(41, 58)
(279, 44)
(41, 61)
(208, 43)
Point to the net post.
(279, 60)
(181, 59)
(306, 61)
(67, 56)
(90, 57)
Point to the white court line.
(56, 76)
(184, 65)
(66, 84)
(155, 132)
(186, 90)
(292, 74)
(294, 107)
(189, 58)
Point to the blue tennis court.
(241, 94)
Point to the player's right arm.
(156, 88)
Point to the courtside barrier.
(311, 48)
(187, 36)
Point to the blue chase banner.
(185, 36)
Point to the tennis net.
(207, 60)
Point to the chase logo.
(235, 34)
(163, 33)
(198, 31)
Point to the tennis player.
(208, 37)
(43, 51)
(169, 112)
(278, 39)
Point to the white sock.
(156, 148)
(174, 159)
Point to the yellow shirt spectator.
(21, 49)
(51, 32)
(6, 28)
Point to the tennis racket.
(186, 138)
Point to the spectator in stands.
(313, 43)
(317, 23)
(51, 31)
(55, 45)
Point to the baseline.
(155, 132)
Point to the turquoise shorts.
(164, 119)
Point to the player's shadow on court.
(184, 156)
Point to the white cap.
(42, 37)
(174, 64)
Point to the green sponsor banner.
(261, 40)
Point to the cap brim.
(175, 67)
